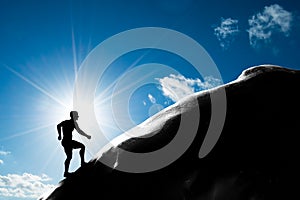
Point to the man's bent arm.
(81, 132)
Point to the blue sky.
(44, 43)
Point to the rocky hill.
(254, 157)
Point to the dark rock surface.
(255, 157)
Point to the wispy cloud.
(144, 103)
(176, 87)
(273, 19)
(151, 98)
(226, 31)
(24, 186)
(4, 153)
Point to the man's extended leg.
(81, 153)
(67, 161)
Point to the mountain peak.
(262, 69)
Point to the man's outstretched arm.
(81, 132)
(59, 130)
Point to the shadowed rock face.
(254, 158)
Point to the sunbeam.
(99, 100)
(36, 86)
(28, 131)
(74, 52)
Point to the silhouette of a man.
(67, 142)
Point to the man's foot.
(67, 174)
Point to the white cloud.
(176, 87)
(151, 98)
(273, 19)
(4, 153)
(144, 103)
(24, 186)
(1, 162)
(226, 31)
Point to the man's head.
(74, 115)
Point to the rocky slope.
(254, 157)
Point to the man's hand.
(88, 137)
(59, 130)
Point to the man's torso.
(68, 126)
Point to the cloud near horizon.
(24, 186)
(177, 87)
(226, 31)
(263, 25)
